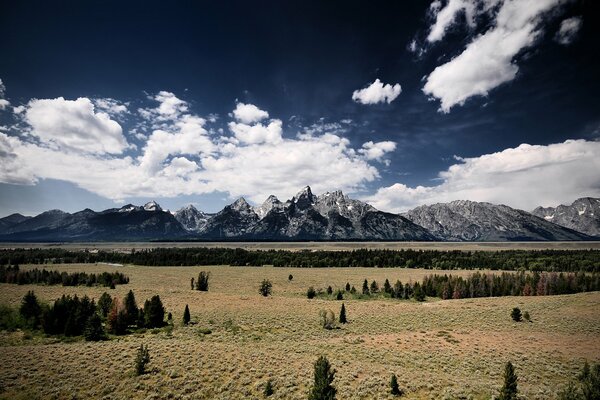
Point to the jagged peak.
(152, 206)
(240, 204)
(271, 199)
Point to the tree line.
(13, 274)
(528, 260)
(75, 316)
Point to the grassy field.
(438, 349)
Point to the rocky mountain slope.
(464, 220)
(582, 215)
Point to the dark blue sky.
(301, 62)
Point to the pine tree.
(104, 304)
(311, 293)
(94, 331)
(30, 309)
(154, 312)
(141, 359)
(186, 315)
(324, 376)
(329, 290)
(365, 288)
(509, 389)
(374, 287)
(131, 308)
(339, 295)
(387, 288)
(117, 319)
(394, 388)
(290, 277)
(347, 286)
(192, 283)
(343, 319)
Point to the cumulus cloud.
(249, 113)
(180, 156)
(75, 125)
(111, 106)
(377, 92)
(376, 151)
(489, 59)
(3, 102)
(524, 177)
(569, 28)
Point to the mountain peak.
(270, 203)
(240, 204)
(152, 206)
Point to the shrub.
(515, 314)
(323, 378)
(10, 319)
(266, 288)
(327, 319)
(186, 315)
(290, 277)
(527, 316)
(94, 331)
(142, 358)
(509, 389)
(202, 283)
(154, 312)
(394, 388)
(269, 387)
(343, 319)
(311, 293)
(30, 310)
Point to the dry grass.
(439, 349)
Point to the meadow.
(450, 349)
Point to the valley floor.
(437, 349)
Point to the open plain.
(438, 349)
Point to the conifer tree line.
(75, 316)
(509, 284)
(13, 274)
(528, 260)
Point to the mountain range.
(330, 216)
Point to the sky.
(396, 103)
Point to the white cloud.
(3, 102)
(524, 177)
(488, 60)
(377, 92)
(249, 113)
(111, 106)
(376, 151)
(446, 16)
(569, 28)
(73, 124)
(181, 157)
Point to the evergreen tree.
(339, 295)
(516, 314)
(117, 318)
(387, 288)
(186, 315)
(131, 308)
(266, 288)
(290, 277)
(202, 282)
(343, 319)
(142, 358)
(394, 388)
(418, 292)
(329, 290)
(509, 389)
(353, 290)
(347, 286)
(311, 293)
(374, 287)
(192, 283)
(104, 304)
(94, 331)
(365, 288)
(324, 376)
(527, 316)
(269, 387)
(30, 309)
(154, 312)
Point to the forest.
(13, 274)
(508, 260)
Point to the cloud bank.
(525, 177)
